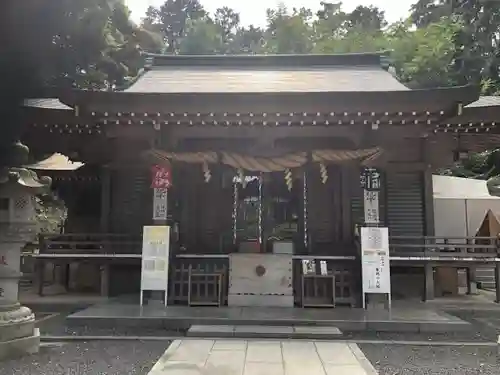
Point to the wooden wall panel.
(131, 200)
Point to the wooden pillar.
(497, 281)
(429, 203)
(346, 191)
(428, 195)
(429, 281)
(105, 198)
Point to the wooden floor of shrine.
(401, 318)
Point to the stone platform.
(416, 318)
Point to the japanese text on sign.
(161, 177)
(155, 257)
(160, 204)
(375, 260)
(371, 207)
(370, 179)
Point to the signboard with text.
(371, 206)
(160, 211)
(370, 179)
(155, 259)
(161, 177)
(375, 264)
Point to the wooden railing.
(100, 249)
(82, 244)
(451, 248)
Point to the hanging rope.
(323, 172)
(288, 179)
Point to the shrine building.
(274, 163)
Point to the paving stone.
(344, 370)
(255, 368)
(178, 368)
(211, 330)
(308, 367)
(301, 352)
(225, 362)
(263, 331)
(315, 331)
(233, 345)
(336, 353)
(193, 351)
(229, 357)
(264, 351)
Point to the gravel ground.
(89, 358)
(56, 326)
(408, 360)
(485, 328)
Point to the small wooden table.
(314, 278)
(209, 301)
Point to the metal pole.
(235, 209)
(260, 211)
(305, 206)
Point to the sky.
(254, 11)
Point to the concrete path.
(247, 357)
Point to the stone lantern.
(18, 226)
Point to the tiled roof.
(260, 74)
(485, 101)
(46, 104)
(206, 80)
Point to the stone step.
(264, 332)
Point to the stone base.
(20, 347)
(14, 331)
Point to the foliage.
(425, 57)
(50, 213)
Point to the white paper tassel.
(206, 172)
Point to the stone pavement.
(247, 357)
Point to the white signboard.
(371, 206)
(155, 259)
(375, 261)
(160, 204)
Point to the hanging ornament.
(288, 179)
(323, 172)
(206, 172)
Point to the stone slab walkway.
(248, 357)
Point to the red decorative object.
(161, 177)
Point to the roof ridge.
(295, 60)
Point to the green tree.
(202, 37)
(172, 20)
(369, 19)
(228, 22)
(425, 58)
(288, 32)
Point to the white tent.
(460, 205)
